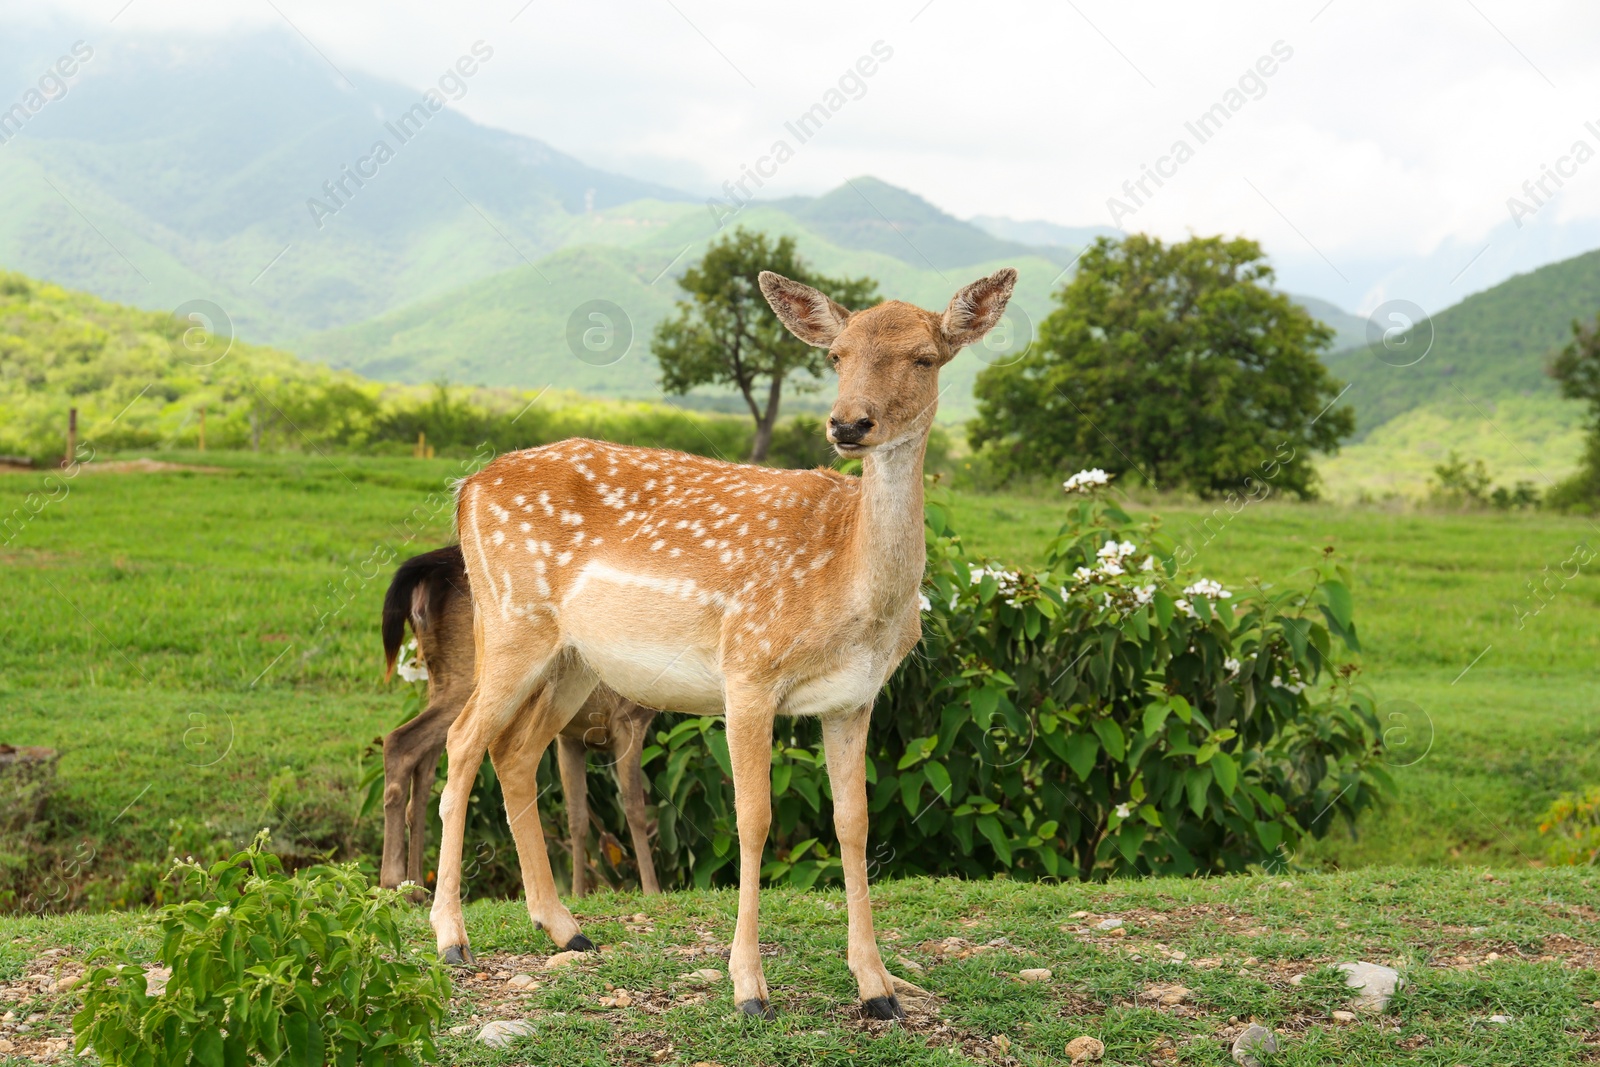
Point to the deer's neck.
(890, 549)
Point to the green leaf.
(717, 742)
(989, 827)
(781, 774)
(1226, 773)
(1155, 716)
(1340, 603)
(1082, 747)
(1110, 735)
(1197, 781)
(939, 778)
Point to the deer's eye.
(833, 357)
(924, 361)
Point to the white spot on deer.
(564, 558)
(527, 526)
(571, 518)
(498, 537)
(657, 545)
(519, 500)
(577, 538)
(500, 513)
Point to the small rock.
(1085, 1049)
(1168, 996)
(520, 981)
(463, 1028)
(155, 980)
(7, 1045)
(1001, 1042)
(501, 1032)
(1297, 979)
(705, 976)
(1500, 1019)
(1491, 957)
(1079, 915)
(640, 917)
(1254, 1039)
(1180, 955)
(1108, 924)
(906, 990)
(1120, 931)
(1374, 983)
(1035, 974)
(909, 964)
(562, 959)
(1344, 1018)
(64, 984)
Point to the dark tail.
(419, 573)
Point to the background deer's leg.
(516, 754)
(404, 749)
(573, 761)
(417, 817)
(628, 742)
(750, 713)
(844, 739)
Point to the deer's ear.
(977, 308)
(808, 314)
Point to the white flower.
(1116, 550)
(1207, 588)
(1149, 564)
(1124, 810)
(1083, 574)
(1293, 687)
(411, 667)
(1143, 594)
(1231, 665)
(1083, 481)
(923, 602)
(222, 910)
(1187, 608)
(1111, 567)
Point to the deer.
(430, 592)
(713, 588)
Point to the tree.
(725, 334)
(1175, 363)
(1577, 368)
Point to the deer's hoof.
(579, 943)
(459, 956)
(883, 1008)
(758, 1009)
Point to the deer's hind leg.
(506, 679)
(516, 753)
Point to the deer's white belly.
(852, 684)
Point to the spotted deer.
(430, 593)
(711, 588)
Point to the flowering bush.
(1106, 713)
(1101, 714)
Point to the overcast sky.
(1390, 130)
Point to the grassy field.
(1521, 946)
(202, 647)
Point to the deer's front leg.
(844, 740)
(750, 714)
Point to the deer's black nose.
(849, 433)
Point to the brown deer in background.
(430, 592)
(712, 588)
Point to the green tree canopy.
(1177, 364)
(725, 334)
(1577, 368)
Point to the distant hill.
(1039, 232)
(1491, 346)
(872, 215)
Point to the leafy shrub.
(1573, 823)
(1455, 483)
(1090, 718)
(309, 968)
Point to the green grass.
(202, 648)
(1242, 942)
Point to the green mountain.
(513, 329)
(1492, 346)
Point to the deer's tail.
(409, 596)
